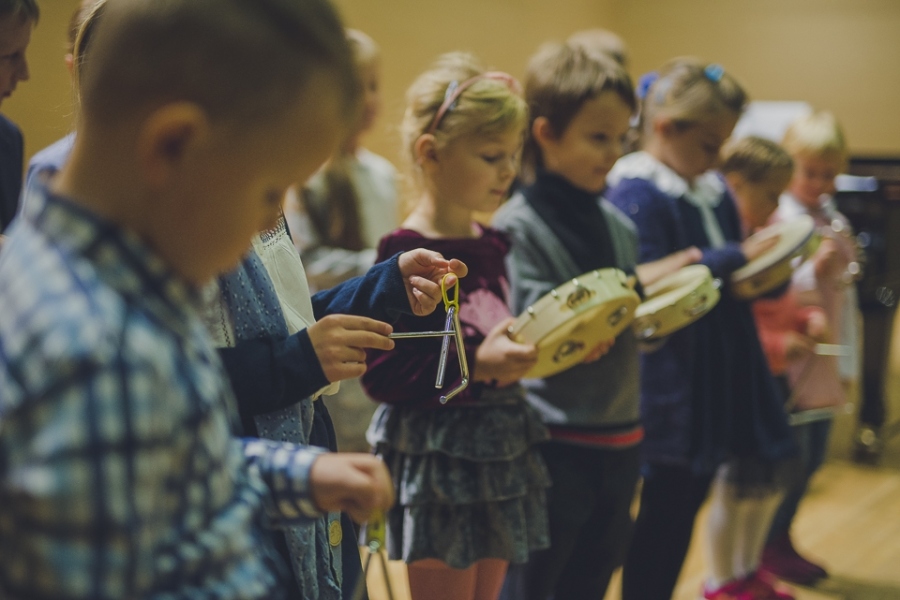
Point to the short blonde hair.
(756, 159)
(489, 106)
(818, 134)
(90, 15)
(365, 50)
(688, 91)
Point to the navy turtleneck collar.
(576, 218)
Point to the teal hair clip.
(714, 72)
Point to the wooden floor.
(850, 520)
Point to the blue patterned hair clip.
(714, 72)
(451, 89)
(644, 83)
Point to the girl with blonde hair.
(470, 479)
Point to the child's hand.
(600, 350)
(357, 484)
(422, 272)
(500, 359)
(817, 327)
(797, 345)
(754, 248)
(826, 259)
(340, 342)
(651, 272)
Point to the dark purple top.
(406, 374)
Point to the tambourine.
(675, 301)
(570, 321)
(797, 240)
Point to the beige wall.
(843, 55)
(42, 106)
(838, 54)
(503, 33)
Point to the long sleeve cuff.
(725, 260)
(285, 470)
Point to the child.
(17, 19)
(757, 171)
(343, 211)
(279, 361)
(337, 219)
(120, 477)
(819, 150)
(47, 162)
(707, 395)
(470, 481)
(580, 105)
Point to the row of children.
(473, 478)
(712, 416)
(592, 457)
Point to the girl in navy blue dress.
(712, 414)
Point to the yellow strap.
(447, 302)
(376, 531)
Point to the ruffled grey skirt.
(470, 480)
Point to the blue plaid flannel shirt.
(119, 476)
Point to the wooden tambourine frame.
(573, 319)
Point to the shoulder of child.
(10, 135)
(637, 197)
(376, 162)
(515, 210)
(73, 325)
(400, 240)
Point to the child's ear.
(542, 131)
(735, 182)
(167, 139)
(425, 150)
(663, 126)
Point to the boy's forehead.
(605, 106)
(827, 159)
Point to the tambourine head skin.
(797, 240)
(573, 319)
(675, 301)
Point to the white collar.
(705, 194)
(707, 190)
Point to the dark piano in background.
(871, 201)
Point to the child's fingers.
(344, 370)
(356, 323)
(458, 267)
(370, 488)
(522, 353)
(425, 289)
(359, 340)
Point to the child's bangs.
(491, 109)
